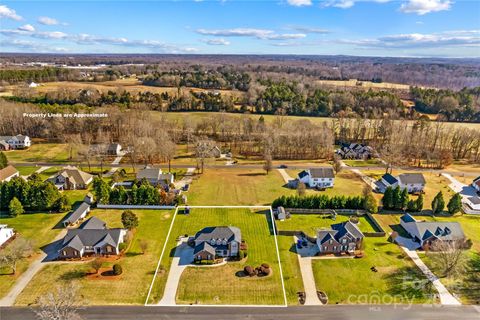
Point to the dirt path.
(286, 177)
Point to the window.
(109, 249)
(330, 241)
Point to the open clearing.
(236, 187)
(138, 269)
(40, 152)
(221, 285)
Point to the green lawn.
(44, 175)
(138, 269)
(40, 152)
(350, 281)
(220, 285)
(363, 163)
(26, 171)
(466, 284)
(236, 187)
(37, 227)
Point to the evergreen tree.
(396, 198)
(455, 204)
(411, 206)
(101, 190)
(15, 207)
(438, 203)
(370, 203)
(404, 199)
(419, 203)
(129, 220)
(3, 160)
(387, 199)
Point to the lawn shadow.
(409, 282)
(72, 275)
(51, 250)
(133, 254)
(251, 174)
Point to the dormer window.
(212, 242)
(219, 242)
(224, 242)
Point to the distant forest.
(285, 85)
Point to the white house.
(8, 173)
(155, 176)
(322, 177)
(413, 182)
(17, 142)
(5, 233)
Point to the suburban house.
(322, 177)
(91, 238)
(6, 233)
(212, 242)
(426, 233)
(77, 215)
(216, 152)
(114, 149)
(155, 176)
(89, 199)
(8, 173)
(343, 237)
(71, 178)
(354, 151)
(413, 182)
(4, 146)
(476, 184)
(16, 142)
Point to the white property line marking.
(161, 256)
(278, 257)
(224, 305)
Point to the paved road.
(446, 298)
(241, 166)
(328, 312)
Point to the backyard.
(221, 285)
(40, 152)
(138, 269)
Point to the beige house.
(71, 178)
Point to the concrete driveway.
(183, 257)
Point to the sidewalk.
(286, 177)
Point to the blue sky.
(438, 28)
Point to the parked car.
(283, 166)
(186, 187)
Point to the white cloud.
(343, 4)
(461, 38)
(48, 21)
(263, 34)
(6, 12)
(30, 46)
(299, 3)
(216, 42)
(422, 7)
(305, 29)
(27, 27)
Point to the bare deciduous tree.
(143, 245)
(20, 248)
(61, 304)
(447, 256)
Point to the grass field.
(26, 171)
(49, 172)
(138, 268)
(363, 163)
(236, 187)
(37, 227)
(40, 152)
(350, 281)
(220, 285)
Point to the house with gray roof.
(343, 237)
(322, 177)
(19, 141)
(413, 182)
(77, 215)
(212, 242)
(425, 233)
(71, 178)
(91, 238)
(155, 176)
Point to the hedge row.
(320, 202)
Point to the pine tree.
(419, 203)
(370, 203)
(455, 204)
(396, 202)
(438, 203)
(404, 198)
(15, 207)
(3, 160)
(387, 199)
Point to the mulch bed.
(103, 274)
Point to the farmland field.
(138, 269)
(40, 152)
(221, 285)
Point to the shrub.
(241, 254)
(129, 220)
(122, 246)
(249, 271)
(266, 265)
(96, 265)
(265, 271)
(117, 269)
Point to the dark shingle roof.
(324, 172)
(209, 233)
(407, 218)
(91, 237)
(427, 229)
(411, 178)
(204, 246)
(389, 178)
(302, 174)
(93, 223)
(338, 231)
(77, 213)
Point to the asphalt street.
(333, 312)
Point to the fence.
(122, 206)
